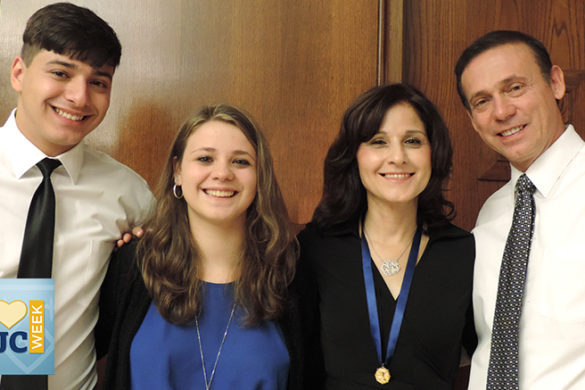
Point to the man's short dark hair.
(73, 31)
(499, 38)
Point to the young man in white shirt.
(510, 90)
(63, 79)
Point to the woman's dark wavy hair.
(344, 196)
(168, 256)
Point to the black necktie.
(503, 363)
(36, 258)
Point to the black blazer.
(438, 319)
(124, 302)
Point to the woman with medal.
(385, 277)
(202, 301)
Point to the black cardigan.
(124, 302)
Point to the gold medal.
(382, 375)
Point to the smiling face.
(60, 100)
(512, 106)
(217, 174)
(395, 164)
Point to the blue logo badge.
(27, 323)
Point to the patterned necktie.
(503, 364)
(36, 258)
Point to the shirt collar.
(344, 228)
(546, 170)
(23, 155)
(446, 231)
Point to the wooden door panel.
(294, 65)
(436, 32)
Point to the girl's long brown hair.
(167, 254)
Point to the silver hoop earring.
(177, 191)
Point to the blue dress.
(167, 356)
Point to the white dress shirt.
(552, 325)
(96, 199)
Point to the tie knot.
(48, 165)
(524, 185)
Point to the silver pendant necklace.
(389, 267)
(208, 384)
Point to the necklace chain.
(208, 384)
(389, 267)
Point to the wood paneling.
(436, 32)
(294, 65)
(393, 54)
